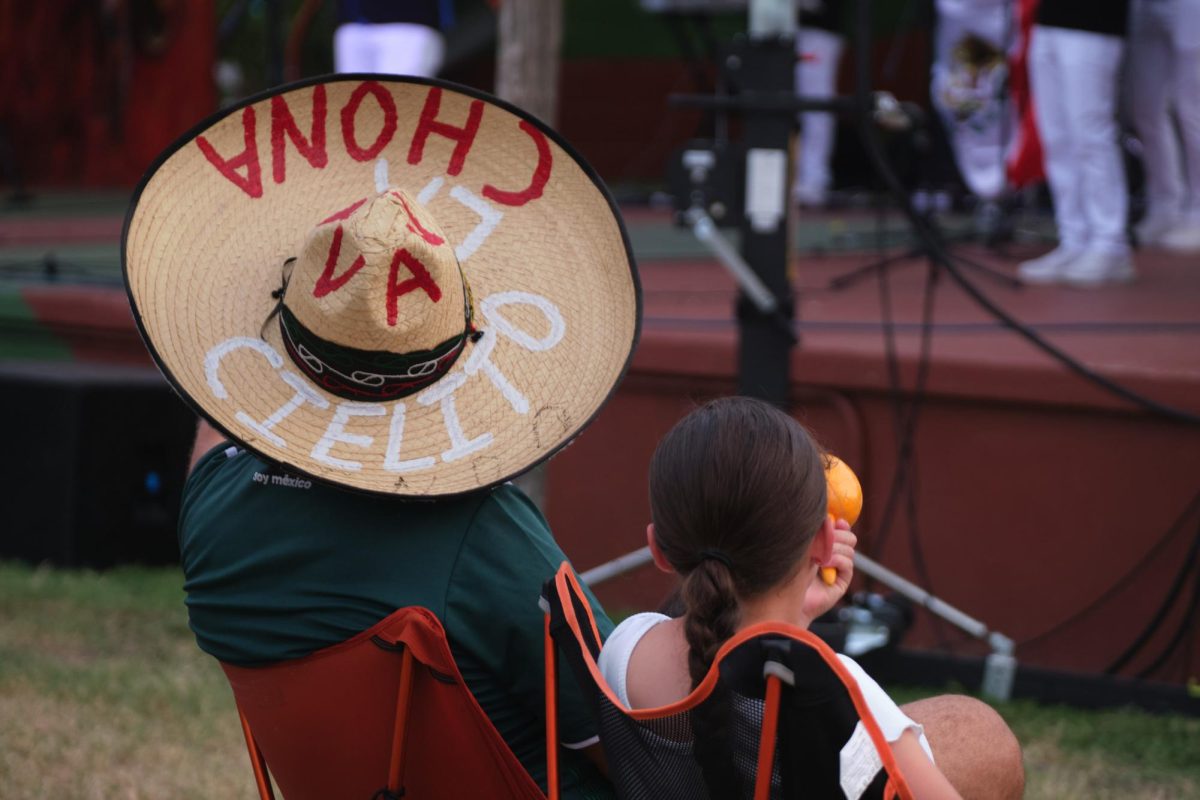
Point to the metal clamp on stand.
(707, 233)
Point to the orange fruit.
(845, 492)
(845, 500)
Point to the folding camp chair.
(775, 717)
(380, 716)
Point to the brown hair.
(737, 491)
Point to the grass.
(103, 694)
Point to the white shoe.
(1047, 268)
(1183, 238)
(1149, 231)
(810, 196)
(1096, 267)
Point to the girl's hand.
(820, 596)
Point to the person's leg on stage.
(972, 746)
(818, 54)
(1091, 62)
(409, 49)
(1047, 83)
(1185, 236)
(1148, 88)
(353, 48)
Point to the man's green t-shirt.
(277, 566)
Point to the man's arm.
(207, 437)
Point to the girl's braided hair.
(737, 491)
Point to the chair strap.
(400, 731)
(262, 778)
(394, 789)
(767, 736)
(552, 787)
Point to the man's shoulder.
(505, 520)
(236, 484)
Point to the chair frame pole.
(262, 777)
(552, 787)
(400, 731)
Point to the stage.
(1036, 501)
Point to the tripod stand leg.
(986, 271)
(857, 274)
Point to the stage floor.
(1146, 334)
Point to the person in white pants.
(1164, 77)
(1075, 54)
(389, 37)
(818, 55)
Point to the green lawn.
(103, 694)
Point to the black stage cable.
(938, 253)
(905, 420)
(906, 416)
(1163, 610)
(1185, 625)
(1113, 387)
(891, 363)
(1122, 581)
(920, 393)
(1187, 655)
(892, 366)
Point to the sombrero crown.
(376, 306)
(426, 294)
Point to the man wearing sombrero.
(379, 290)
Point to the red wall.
(1033, 517)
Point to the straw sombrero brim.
(539, 238)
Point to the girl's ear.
(822, 545)
(660, 560)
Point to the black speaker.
(93, 465)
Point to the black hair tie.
(716, 555)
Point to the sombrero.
(393, 284)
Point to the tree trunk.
(529, 40)
(529, 35)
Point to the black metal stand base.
(914, 253)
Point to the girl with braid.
(738, 502)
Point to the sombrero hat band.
(371, 375)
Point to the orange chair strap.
(400, 731)
(552, 788)
(262, 778)
(766, 741)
